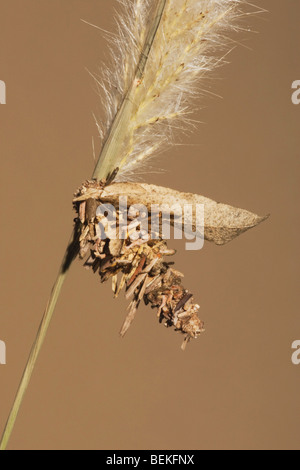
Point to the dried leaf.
(129, 319)
(222, 223)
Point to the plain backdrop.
(235, 387)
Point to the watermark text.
(2, 353)
(296, 353)
(152, 459)
(296, 94)
(2, 92)
(158, 222)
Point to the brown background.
(235, 387)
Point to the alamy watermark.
(2, 353)
(296, 93)
(141, 224)
(2, 92)
(152, 459)
(296, 353)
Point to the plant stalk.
(70, 255)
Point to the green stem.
(70, 255)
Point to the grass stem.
(70, 255)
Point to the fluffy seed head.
(189, 43)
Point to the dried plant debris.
(140, 266)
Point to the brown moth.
(139, 266)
